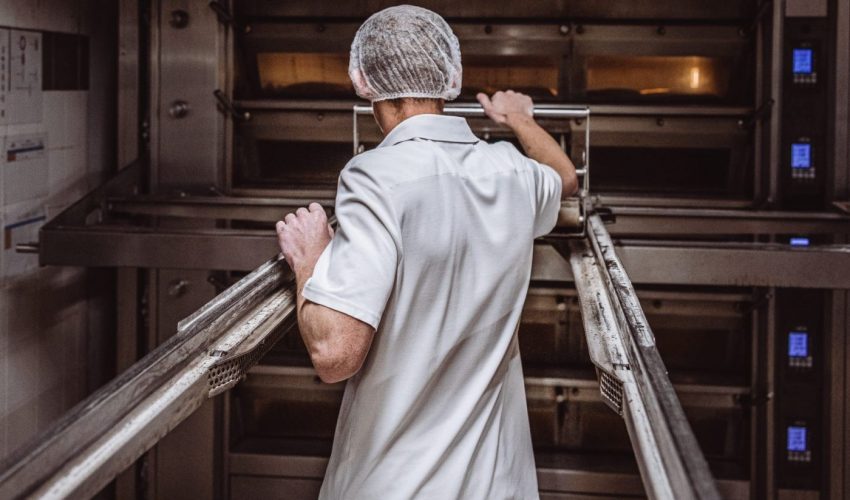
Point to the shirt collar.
(440, 128)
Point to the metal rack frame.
(215, 347)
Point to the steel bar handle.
(546, 110)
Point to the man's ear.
(360, 85)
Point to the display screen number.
(796, 438)
(798, 344)
(801, 155)
(803, 61)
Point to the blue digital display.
(796, 438)
(799, 242)
(801, 155)
(803, 61)
(798, 344)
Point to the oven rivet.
(178, 109)
(321, 28)
(320, 116)
(659, 122)
(580, 29)
(179, 19)
(248, 29)
(488, 29)
(564, 29)
(661, 30)
(741, 123)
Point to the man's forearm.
(541, 146)
(310, 320)
(337, 343)
(302, 274)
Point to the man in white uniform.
(417, 297)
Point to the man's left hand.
(303, 236)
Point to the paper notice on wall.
(25, 174)
(4, 73)
(23, 100)
(21, 224)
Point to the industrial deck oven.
(719, 155)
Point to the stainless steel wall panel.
(190, 64)
(129, 91)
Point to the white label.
(24, 147)
(25, 174)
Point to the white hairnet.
(405, 51)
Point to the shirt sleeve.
(544, 187)
(356, 272)
(547, 197)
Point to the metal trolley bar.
(107, 432)
(632, 377)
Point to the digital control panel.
(803, 66)
(797, 443)
(799, 353)
(802, 160)
(799, 389)
(805, 111)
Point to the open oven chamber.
(282, 415)
(671, 102)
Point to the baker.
(416, 298)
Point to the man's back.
(434, 250)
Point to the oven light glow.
(694, 78)
(799, 242)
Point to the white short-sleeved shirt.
(433, 249)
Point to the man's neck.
(390, 114)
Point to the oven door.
(672, 160)
(670, 64)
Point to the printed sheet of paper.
(24, 98)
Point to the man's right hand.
(517, 112)
(507, 107)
